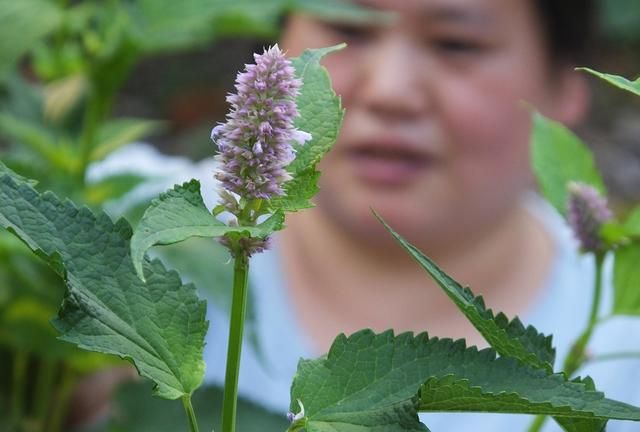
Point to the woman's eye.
(456, 46)
(350, 32)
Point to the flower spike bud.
(587, 211)
(256, 142)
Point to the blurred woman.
(435, 139)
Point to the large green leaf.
(379, 381)
(320, 115)
(298, 190)
(6, 170)
(160, 326)
(581, 424)
(508, 338)
(626, 280)
(455, 395)
(203, 262)
(559, 157)
(618, 81)
(180, 214)
(22, 24)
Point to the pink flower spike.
(587, 211)
(256, 141)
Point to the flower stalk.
(191, 416)
(236, 329)
(578, 353)
(255, 147)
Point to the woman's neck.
(340, 284)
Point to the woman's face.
(435, 136)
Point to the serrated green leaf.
(320, 115)
(508, 338)
(367, 383)
(22, 24)
(626, 280)
(160, 326)
(384, 379)
(205, 263)
(580, 424)
(320, 108)
(116, 133)
(559, 157)
(618, 81)
(450, 394)
(298, 192)
(6, 170)
(180, 214)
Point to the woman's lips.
(388, 166)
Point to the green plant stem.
(191, 415)
(18, 385)
(61, 402)
(44, 387)
(236, 328)
(537, 424)
(577, 354)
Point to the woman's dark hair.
(570, 27)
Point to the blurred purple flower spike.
(587, 211)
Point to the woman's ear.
(571, 96)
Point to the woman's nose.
(392, 79)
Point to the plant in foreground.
(570, 181)
(265, 169)
(256, 146)
(119, 302)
